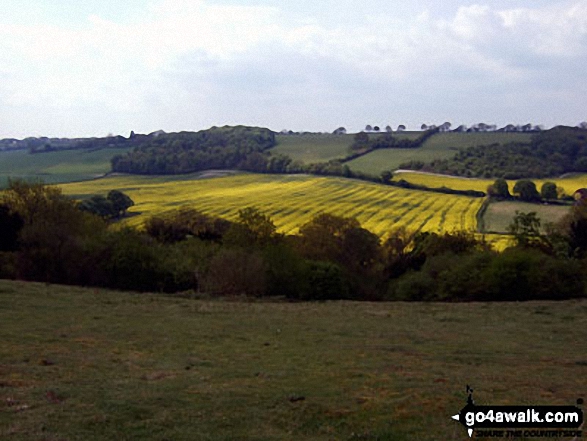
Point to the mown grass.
(439, 146)
(89, 364)
(499, 215)
(56, 167)
(291, 200)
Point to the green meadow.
(313, 147)
(439, 146)
(92, 364)
(499, 215)
(56, 167)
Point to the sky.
(72, 68)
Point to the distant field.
(473, 139)
(317, 147)
(390, 159)
(292, 200)
(500, 215)
(439, 146)
(313, 147)
(570, 183)
(92, 364)
(56, 167)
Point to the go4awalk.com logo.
(520, 421)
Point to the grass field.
(313, 147)
(390, 159)
(317, 147)
(56, 167)
(439, 146)
(499, 215)
(89, 364)
(292, 200)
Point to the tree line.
(50, 238)
(549, 153)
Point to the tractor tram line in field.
(291, 200)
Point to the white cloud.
(186, 62)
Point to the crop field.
(569, 183)
(439, 146)
(499, 215)
(292, 200)
(56, 167)
(93, 364)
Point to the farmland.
(439, 146)
(499, 215)
(94, 364)
(313, 147)
(568, 183)
(291, 200)
(317, 147)
(56, 167)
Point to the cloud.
(186, 64)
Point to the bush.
(325, 282)
(235, 272)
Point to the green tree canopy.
(548, 191)
(500, 189)
(526, 190)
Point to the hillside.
(58, 166)
(550, 153)
(185, 152)
(291, 200)
(441, 146)
(95, 364)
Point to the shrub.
(235, 271)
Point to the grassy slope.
(317, 147)
(292, 200)
(440, 146)
(82, 364)
(499, 215)
(313, 147)
(55, 167)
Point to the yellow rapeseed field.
(570, 184)
(291, 200)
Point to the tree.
(10, 225)
(98, 205)
(368, 128)
(526, 190)
(424, 127)
(445, 127)
(251, 228)
(55, 234)
(401, 128)
(120, 202)
(548, 191)
(361, 139)
(386, 176)
(388, 129)
(339, 131)
(526, 229)
(376, 129)
(500, 189)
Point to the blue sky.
(89, 68)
